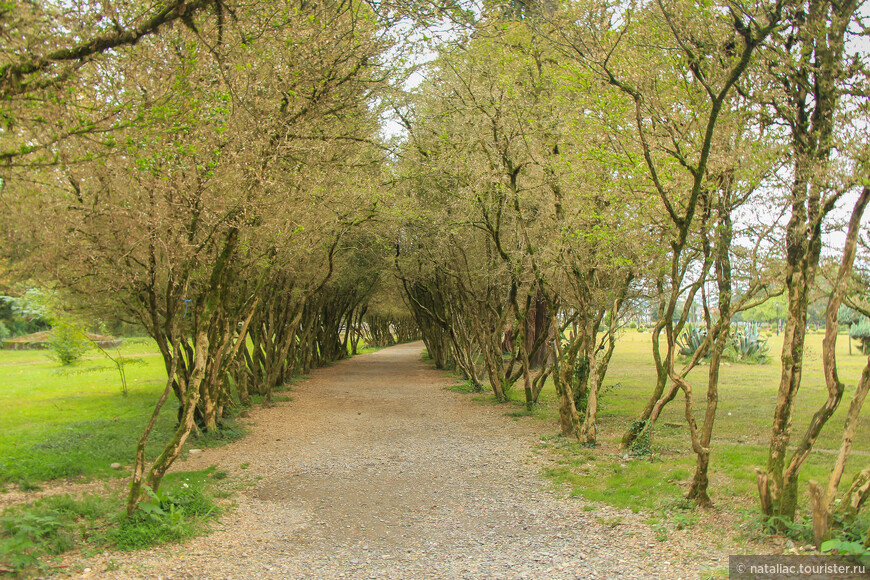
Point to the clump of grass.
(32, 535)
(27, 485)
(169, 516)
(229, 430)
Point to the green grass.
(33, 535)
(747, 396)
(58, 422)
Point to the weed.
(31, 534)
(27, 485)
(245, 465)
(846, 548)
(660, 531)
(800, 530)
(713, 574)
(229, 430)
(641, 446)
(170, 515)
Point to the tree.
(809, 64)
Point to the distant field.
(74, 421)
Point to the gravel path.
(375, 471)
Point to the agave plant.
(860, 331)
(749, 345)
(691, 339)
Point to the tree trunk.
(812, 91)
(569, 420)
(787, 495)
(134, 496)
(173, 448)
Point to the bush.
(67, 344)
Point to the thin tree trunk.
(173, 448)
(788, 497)
(135, 493)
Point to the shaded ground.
(375, 471)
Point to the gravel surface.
(374, 470)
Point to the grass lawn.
(747, 396)
(74, 421)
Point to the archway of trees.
(219, 173)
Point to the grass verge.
(33, 536)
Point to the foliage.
(24, 314)
(771, 310)
(848, 316)
(580, 384)
(67, 343)
(167, 516)
(850, 536)
(847, 548)
(220, 185)
(32, 534)
(641, 446)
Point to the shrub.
(67, 344)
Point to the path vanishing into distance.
(374, 470)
